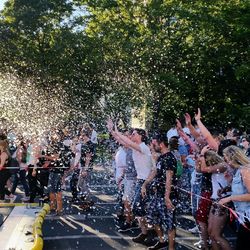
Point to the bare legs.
(216, 224)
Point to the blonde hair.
(236, 156)
(212, 158)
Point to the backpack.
(179, 169)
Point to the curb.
(37, 228)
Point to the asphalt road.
(95, 229)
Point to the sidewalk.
(14, 229)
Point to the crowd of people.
(187, 169)
(41, 164)
(157, 176)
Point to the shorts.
(129, 190)
(139, 204)
(204, 207)
(55, 182)
(219, 210)
(158, 214)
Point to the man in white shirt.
(144, 166)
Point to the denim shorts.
(139, 204)
(195, 197)
(55, 182)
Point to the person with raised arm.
(144, 166)
(185, 137)
(213, 144)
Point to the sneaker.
(159, 245)
(194, 230)
(7, 197)
(86, 205)
(12, 198)
(25, 198)
(140, 238)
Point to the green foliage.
(172, 56)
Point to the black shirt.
(165, 163)
(63, 161)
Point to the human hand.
(205, 149)
(187, 119)
(110, 125)
(178, 125)
(169, 204)
(225, 200)
(198, 115)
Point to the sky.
(2, 3)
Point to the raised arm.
(127, 141)
(185, 137)
(205, 132)
(124, 140)
(216, 168)
(192, 129)
(110, 126)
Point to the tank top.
(238, 188)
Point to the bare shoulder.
(245, 171)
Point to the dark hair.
(224, 144)
(247, 137)
(174, 143)
(161, 138)
(142, 133)
(236, 132)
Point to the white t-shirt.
(120, 162)
(143, 161)
(172, 132)
(94, 137)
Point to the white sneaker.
(25, 198)
(194, 230)
(7, 197)
(12, 198)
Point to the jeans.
(73, 183)
(20, 176)
(195, 190)
(4, 176)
